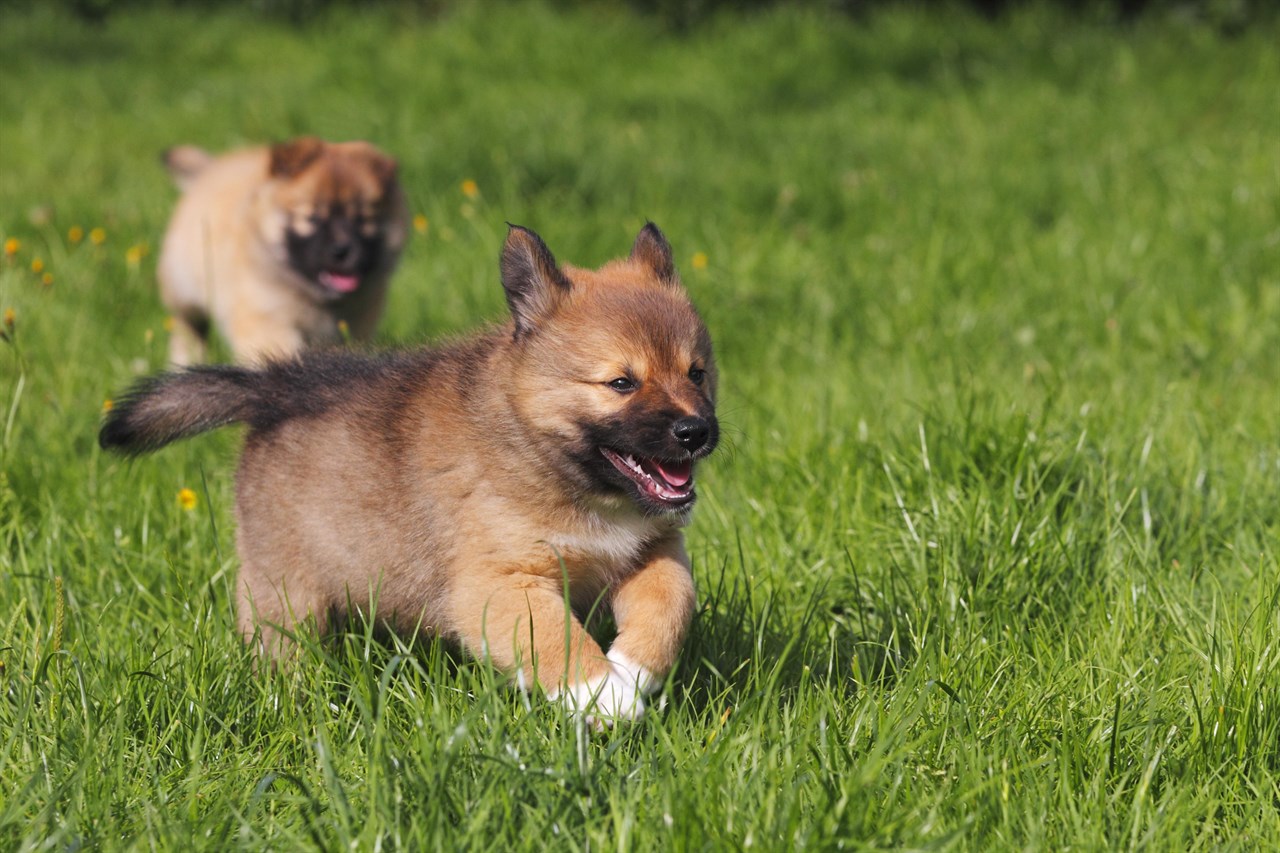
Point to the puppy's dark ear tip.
(522, 239)
(652, 249)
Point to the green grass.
(990, 558)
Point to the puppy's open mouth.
(339, 282)
(662, 481)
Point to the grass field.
(990, 558)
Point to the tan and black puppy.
(277, 245)
(465, 486)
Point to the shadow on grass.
(746, 645)
(746, 642)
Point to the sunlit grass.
(989, 558)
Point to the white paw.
(615, 696)
(643, 679)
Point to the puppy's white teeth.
(655, 486)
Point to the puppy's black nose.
(341, 250)
(691, 432)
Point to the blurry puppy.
(278, 245)
(479, 486)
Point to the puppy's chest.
(605, 548)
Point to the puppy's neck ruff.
(613, 532)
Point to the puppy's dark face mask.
(336, 250)
(338, 201)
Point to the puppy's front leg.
(521, 623)
(188, 340)
(653, 608)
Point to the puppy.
(277, 246)
(477, 487)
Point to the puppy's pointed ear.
(652, 249)
(385, 168)
(382, 165)
(533, 282)
(288, 159)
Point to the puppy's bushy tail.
(164, 408)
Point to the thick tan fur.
(225, 259)
(456, 486)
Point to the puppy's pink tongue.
(675, 473)
(340, 283)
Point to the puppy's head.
(614, 371)
(336, 213)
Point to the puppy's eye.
(623, 385)
(697, 374)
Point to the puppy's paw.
(644, 680)
(613, 697)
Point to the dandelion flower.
(699, 260)
(470, 189)
(187, 499)
(148, 336)
(344, 329)
(135, 254)
(11, 247)
(10, 317)
(37, 265)
(98, 236)
(75, 234)
(46, 279)
(168, 324)
(107, 405)
(420, 224)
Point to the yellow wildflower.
(168, 324)
(46, 279)
(470, 189)
(37, 265)
(135, 253)
(11, 247)
(420, 224)
(108, 405)
(98, 236)
(148, 336)
(187, 499)
(724, 718)
(75, 234)
(344, 329)
(10, 317)
(699, 260)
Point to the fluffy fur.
(468, 484)
(277, 245)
